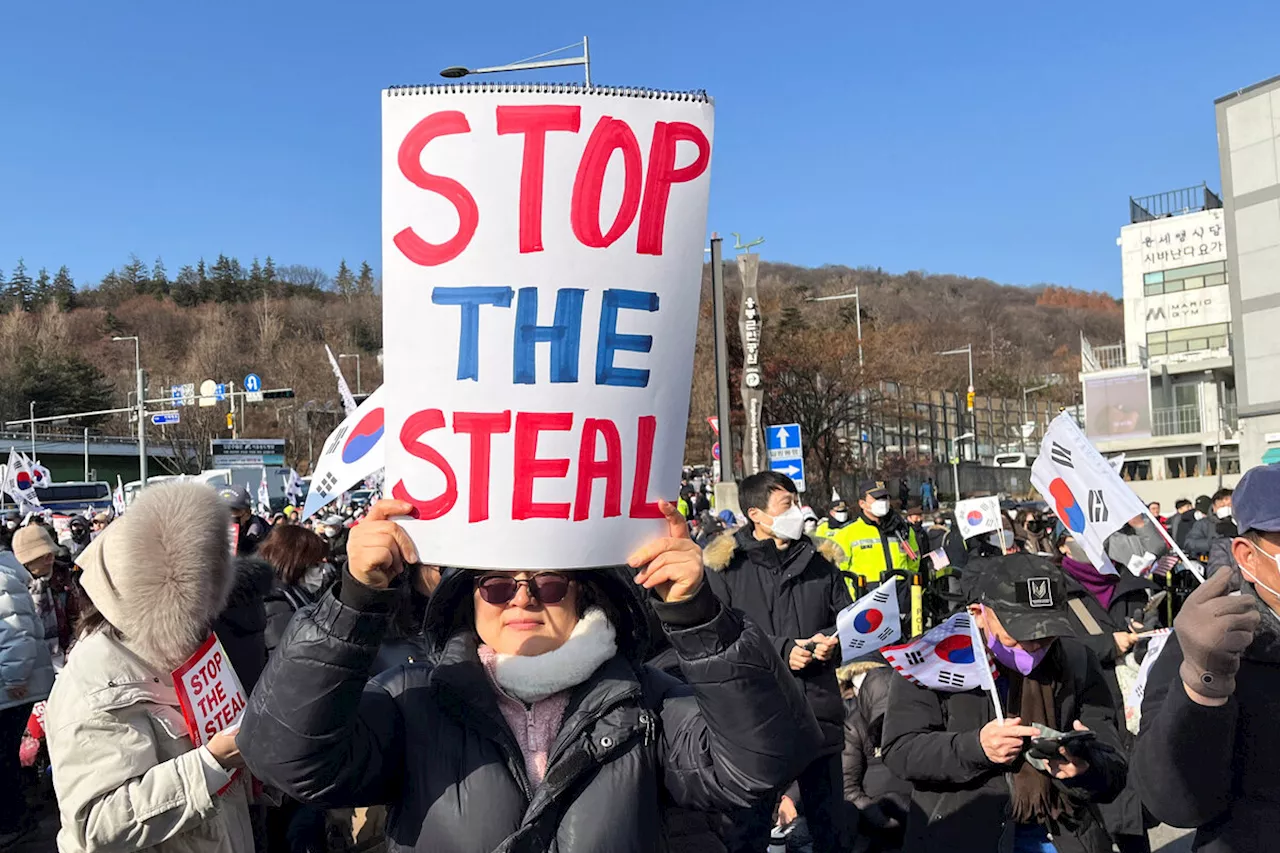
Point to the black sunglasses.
(544, 588)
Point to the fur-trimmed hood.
(719, 551)
(162, 572)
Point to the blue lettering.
(470, 299)
(611, 341)
(564, 335)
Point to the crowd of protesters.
(694, 700)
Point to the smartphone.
(1047, 747)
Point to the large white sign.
(542, 264)
(1178, 241)
(1200, 307)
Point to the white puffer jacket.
(24, 657)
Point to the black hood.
(450, 610)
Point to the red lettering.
(641, 507)
(209, 730)
(535, 123)
(590, 469)
(481, 426)
(417, 425)
(528, 467)
(407, 241)
(610, 134)
(662, 174)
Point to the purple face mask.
(1020, 659)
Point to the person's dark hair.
(1204, 504)
(1221, 494)
(754, 491)
(291, 550)
(453, 610)
(1182, 505)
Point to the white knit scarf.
(530, 678)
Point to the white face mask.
(841, 517)
(1199, 515)
(788, 525)
(1251, 578)
(11, 525)
(880, 508)
(1223, 512)
(1002, 539)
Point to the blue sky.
(987, 138)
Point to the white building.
(1165, 397)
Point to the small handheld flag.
(944, 658)
(870, 622)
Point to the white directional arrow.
(783, 435)
(790, 471)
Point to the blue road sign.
(220, 393)
(253, 383)
(783, 436)
(162, 418)
(793, 468)
(176, 394)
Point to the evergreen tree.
(204, 287)
(269, 276)
(64, 289)
(4, 295)
(159, 278)
(226, 277)
(43, 289)
(256, 286)
(344, 282)
(134, 276)
(364, 282)
(21, 288)
(186, 288)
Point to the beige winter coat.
(126, 775)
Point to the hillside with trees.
(222, 319)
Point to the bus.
(75, 497)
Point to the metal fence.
(1172, 203)
(1175, 420)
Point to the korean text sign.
(542, 263)
(209, 692)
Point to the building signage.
(749, 326)
(1201, 307)
(247, 453)
(1181, 241)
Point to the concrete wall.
(1169, 491)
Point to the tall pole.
(359, 384)
(727, 473)
(142, 428)
(86, 454)
(857, 306)
(586, 60)
(955, 468)
(33, 432)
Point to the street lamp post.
(1025, 392)
(955, 461)
(967, 349)
(356, 356)
(453, 72)
(33, 432)
(720, 327)
(856, 296)
(142, 407)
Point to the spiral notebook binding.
(695, 95)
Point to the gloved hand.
(877, 820)
(1214, 628)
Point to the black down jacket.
(961, 801)
(792, 595)
(430, 741)
(242, 624)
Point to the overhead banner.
(542, 265)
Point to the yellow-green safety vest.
(864, 552)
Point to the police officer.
(975, 785)
(252, 529)
(1206, 755)
(878, 540)
(837, 517)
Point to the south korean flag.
(948, 657)
(870, 622)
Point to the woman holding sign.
(537, 728)
(126, 769)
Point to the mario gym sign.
(542, 264)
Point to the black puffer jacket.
(961, 801)
(242, 624)
(791, 595)
(431, 742)
(1215, 767)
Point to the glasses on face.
(544, 588)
